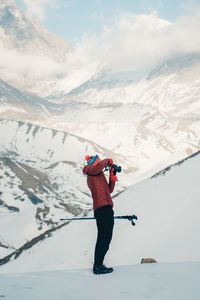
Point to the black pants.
(105, 222)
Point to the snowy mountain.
(21, 32)
(42, 180)
(18, 105)
(167, 227)
(153, 120)
(31, 56)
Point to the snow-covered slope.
(18, 105)
(50, 146)
(167, 229)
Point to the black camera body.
(116, 169)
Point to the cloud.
(38, 8)
(138, 42)
(16, 66)
(133, 42)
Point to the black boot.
(97, 270)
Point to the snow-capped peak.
(20, 32)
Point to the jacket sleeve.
(96, 169)
(111, 186)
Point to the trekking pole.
(129, 218)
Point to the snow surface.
(178, 281)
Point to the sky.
(72, 19)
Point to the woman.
(103, 207)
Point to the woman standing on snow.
(103, 207)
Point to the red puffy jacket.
(98, 185)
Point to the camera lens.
(119, 169)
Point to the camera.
(116, 169)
